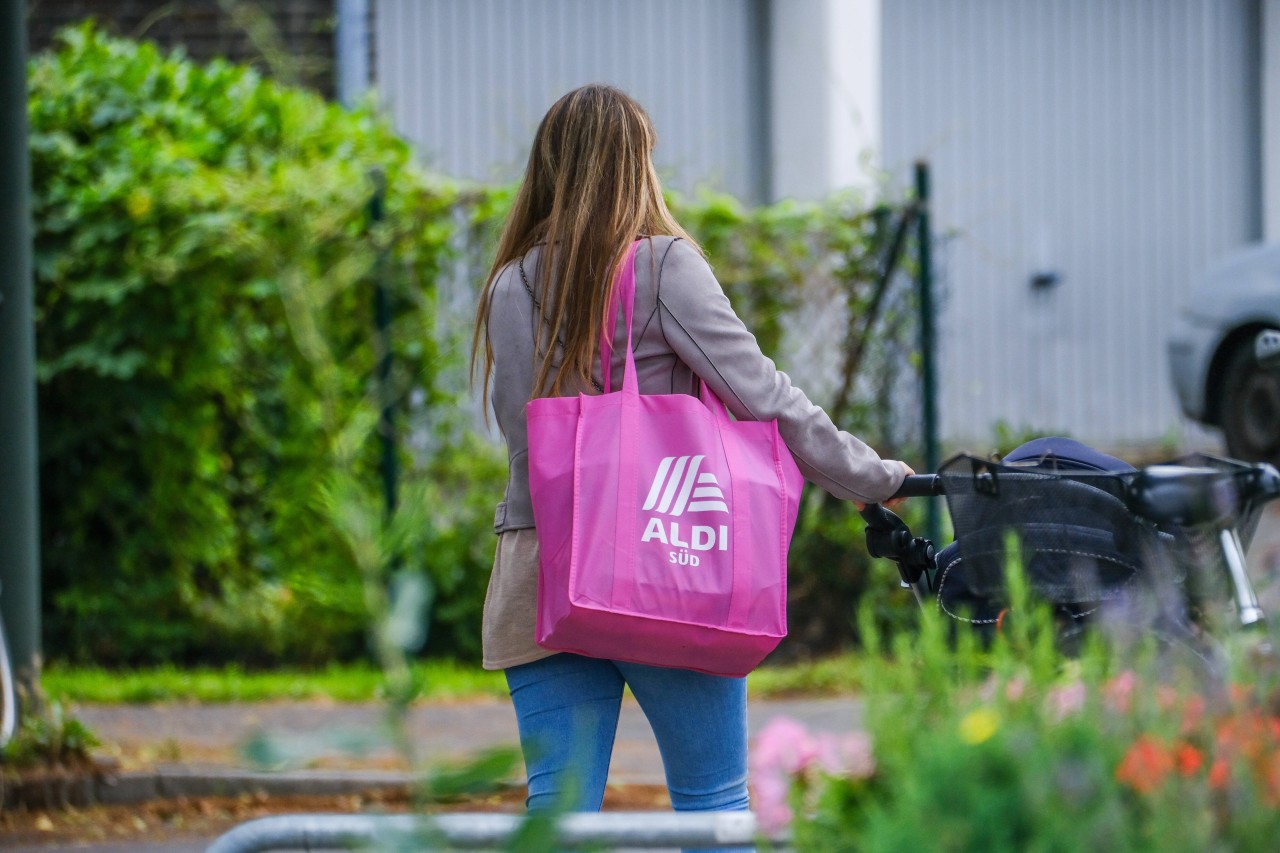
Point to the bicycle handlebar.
(920, 486)
(1161, 492)
(1192, 495)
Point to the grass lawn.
(438, 680)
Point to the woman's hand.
(909, 471)
(891, 501)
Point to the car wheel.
(1251, 408)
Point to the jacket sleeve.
(702, 328)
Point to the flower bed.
(1014, 747)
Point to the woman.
(589, 191)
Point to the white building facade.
(1089, 158)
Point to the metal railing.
(485, 831)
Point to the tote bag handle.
(627, 511)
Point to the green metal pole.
(382, 324)
(19, 515)
(928, 345)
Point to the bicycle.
(1094, 535)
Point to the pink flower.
(783, 748)
(1119, 690)
(1015, 689)
(1166, 697)
(1066, 699)
(845, 755)
(787, 753)
(784, 745)
(772, 806)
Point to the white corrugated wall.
(1110, 143)
(468, 80)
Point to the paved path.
(439, 732)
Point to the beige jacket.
(684, 330)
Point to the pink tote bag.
(663, 525)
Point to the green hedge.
(204, 276)
(205, 268)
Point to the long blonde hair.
(588, 191)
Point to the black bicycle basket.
(1076, 541)
(1072, 533)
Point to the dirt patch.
(207, 817)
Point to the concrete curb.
(444, 733)
(133, 787)
(173, 783)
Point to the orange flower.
(1249, 741)
(1189, 759)
(1145, 765)
(1247, 736)
(1193, 711)
(1219, 774)
(1269, 770)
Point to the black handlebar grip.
(920, 486)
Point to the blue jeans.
(567, 710)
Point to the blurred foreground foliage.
(1145, 740)
(206, 264)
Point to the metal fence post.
(928, 345)
(382, 351)
(19, 488)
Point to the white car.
(1212, 357)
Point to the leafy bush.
(205, 268)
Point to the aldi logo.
(679, 487)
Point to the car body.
(1212, 360)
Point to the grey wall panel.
(800, 94)
(468, 80)
(1110, 142)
